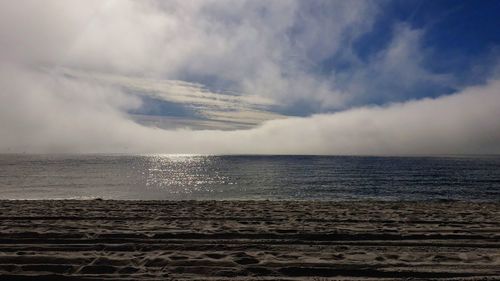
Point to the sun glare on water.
(183, 173)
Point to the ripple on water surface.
(178, 177)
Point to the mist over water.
(177, 177)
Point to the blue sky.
(459, 39)
(236, 76)
(469, 27)
(459, 35)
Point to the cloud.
(68, 71)
(259, 48)
(216, 110)
(394, 73)
(273, 49)
(40, 116)
(45, 108)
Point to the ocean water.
(177, 177)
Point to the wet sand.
(248, 240)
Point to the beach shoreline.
(248, 240)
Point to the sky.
(333, 77)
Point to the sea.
(246, 177)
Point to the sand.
(248, 240)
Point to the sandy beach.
(248, 240)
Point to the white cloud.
(254, 47)
(264, 50)
(40, 116)
(228, 110)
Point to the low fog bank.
(48, 113)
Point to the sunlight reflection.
(184, 173)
